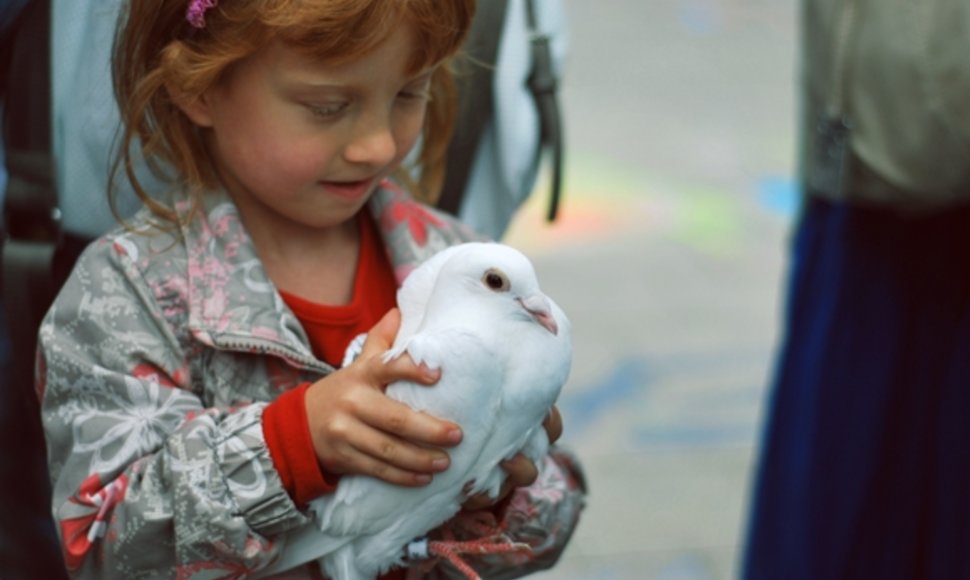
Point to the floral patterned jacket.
(155, 364)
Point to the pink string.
(452, 551)
(491, 540)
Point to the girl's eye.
(414, 96)
(327, 111)
(417, 91)
(421, 94)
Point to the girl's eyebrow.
(307, 82)
(314, 84)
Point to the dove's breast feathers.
(464, 359)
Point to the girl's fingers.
(521, 471)
(356, 448)
(401, 368)
(361, 463)
(478, 502)
(401, 455)
(389, 439)
(396, 418)
(553, 424)
(482, 500)
(379, 340)
(381, 336)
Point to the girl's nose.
(372, 144)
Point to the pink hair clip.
(196, 11)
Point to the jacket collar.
(234, 305)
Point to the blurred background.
(670, 259)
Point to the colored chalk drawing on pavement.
(674, 400)
(604, 199)
(599, 199)
(779, 195)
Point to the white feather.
(502, 370)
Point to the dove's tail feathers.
(342, 564)
(384, 548)
(300, 546)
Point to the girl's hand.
(357, 429)
(521, 471)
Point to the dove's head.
(500, 280)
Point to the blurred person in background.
(864, 471)
(28, 547)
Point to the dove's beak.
(539, 308)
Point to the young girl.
(194, 396)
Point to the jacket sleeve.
(542, 516)
(147, 480)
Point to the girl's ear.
(195, 107)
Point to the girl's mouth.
(349, 190)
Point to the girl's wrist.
(287, 434)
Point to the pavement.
(670, 259)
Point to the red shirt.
(330, 329)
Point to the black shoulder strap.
(476, 104)
(30, 205)
(542, 85)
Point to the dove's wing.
(467, 394)
(537, 364)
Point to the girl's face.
(300, 143)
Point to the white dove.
(475, 311)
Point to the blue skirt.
(865, 466)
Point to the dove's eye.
(496, 280)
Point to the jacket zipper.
(275, 349)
